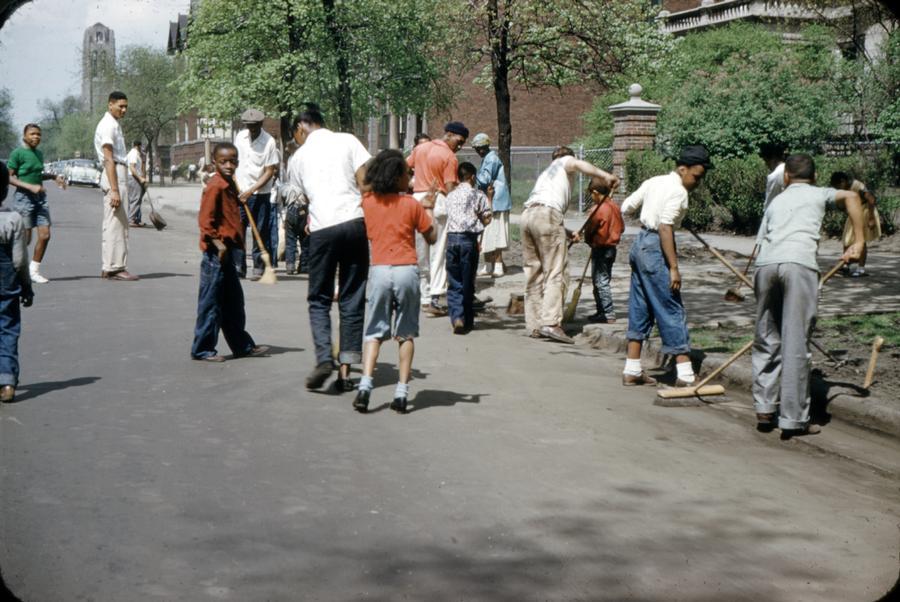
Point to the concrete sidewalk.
(705, 281)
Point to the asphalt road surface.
(524, 472)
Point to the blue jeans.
(10, 318)
(294, 231)
(261, 212)
(34, 209)
(273, 234)
(651, 300)
(462, 264)
(341, 250)
(602, 260)
(220, 305)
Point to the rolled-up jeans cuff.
(676, 350)
(350, 357)
(784, 423)
(8, 378)
(633, 335)
(762, 408)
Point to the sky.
(40, 46)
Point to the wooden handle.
(727, 363)
(721, 258)
(741, 281)
(870, 373)
(831, 273)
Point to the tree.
(552, 44)
(51, 121)
(147, 76)
(353, 58)
(8, 135)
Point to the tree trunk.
(498, 30)
(344, 99)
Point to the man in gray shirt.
(786, 285)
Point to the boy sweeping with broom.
(221, 299)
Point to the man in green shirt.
(26, 173)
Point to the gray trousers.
(786, 305)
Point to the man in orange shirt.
(435, 162)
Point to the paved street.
(525, 472)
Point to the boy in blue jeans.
(15, 287)
(468, 212)
(220, 304)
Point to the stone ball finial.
(634, 90)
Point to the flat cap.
(695, 154)
(252, 116)
(457, 127)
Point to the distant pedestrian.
(786, 285)
(109, 143)
(137, 181)
(655, 294)
(603, 232)
(26, 173)
(496, 234)
(259, 159)
(468, 212)
(328, 169)
(15, 290)
(773, 156)
(192, 172)
(544, 243)
(871, 220)
(435, 161)
(220, 303)
(392, 220)
(173, 172)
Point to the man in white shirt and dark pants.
(109, 144)
(655, 295)
(257, 162)
(136, 182)
(329, 168)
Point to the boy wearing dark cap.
(655, 294)
(435, 162)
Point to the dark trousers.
(258, 204)
(341, 250)
(602, 260)
(220, 305)
(294, 231)
(462, 264)
(10, 318)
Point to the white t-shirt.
(553, 186)
(324, 169)
(661, 199)
(110, 132)
(133, 159)
(774, 184)
(253, 157)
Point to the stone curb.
(866, 412)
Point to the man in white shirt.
(544, 248)
(136, 182)
(655, 294)
(109, 144)
(257, 161)
(773, 156)
(329, 168)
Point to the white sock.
(685, 371)
(632, 367)
(401, 390)
(365, 383)
(35, 267)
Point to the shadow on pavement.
(5, 594)
(25, 392)
(150, 276)
(431, 398)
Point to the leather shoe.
(809, 429)
(361, 403)
(557, 334)
(765, 423)
(123, 275)
(319, 375)
(257, 351)
(344, 385)
(399, 405)
(631, 380)
(7, 393)
(683, 384)
(211, 358)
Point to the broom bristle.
(268, 276)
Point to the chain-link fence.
(527, 163)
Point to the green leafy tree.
(51, 119)
(8, 135)
(353, 58)
(539, 44)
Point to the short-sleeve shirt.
(791, 226)
(492, 173)
(661, 199)
(433, 161)
(553, 186)
(133, 158)
(324, 169)
(110, 132)
(253, 157)
(28, 163)
(391, 223)
(464, 205)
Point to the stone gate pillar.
(634, 128)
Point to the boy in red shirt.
(603, 232)
(392, 220)
(221, 299)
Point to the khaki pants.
(545, 258)
(433, 258)
(114, 241)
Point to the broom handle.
(727, 363)
(721, 258)
(586, 222)
(831, 272)
(259, 241)
(747, 267)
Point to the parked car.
(82, 171)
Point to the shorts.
(393, 303)
(34, 208)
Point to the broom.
(576, 294)
(155, 218)
(268, 276)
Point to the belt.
(646, 229)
